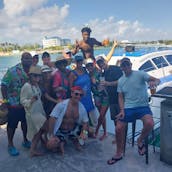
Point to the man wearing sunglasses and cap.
(69, 119)
(134, 104)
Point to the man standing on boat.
(11, 85)
(134, 104)
(87, 44)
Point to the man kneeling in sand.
(68, 120)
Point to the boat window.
(147, 66)
(169, 58)
(160, 62)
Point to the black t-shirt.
(113, 73)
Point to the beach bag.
(3, 114)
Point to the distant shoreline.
(3, 54)
(33, 52)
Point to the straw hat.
(61, 59)
(35, 70)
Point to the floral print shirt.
(14, 79)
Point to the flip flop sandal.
(13, 151)
(113, 160)
(140, 149)
(26, 144)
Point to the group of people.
(54, 103)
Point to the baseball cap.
(87, 61)
(46, 68)
(78, 58)
(100, 58)
(125, 59)
(67, 50)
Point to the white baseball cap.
(87, 61)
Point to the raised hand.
(115, 43)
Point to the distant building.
(65, 42)
(51, 42)
(16, 51)
(54, 41)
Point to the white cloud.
(47, 18)
(123, 29)
(28, 21)
(32, 27)
(16, 7)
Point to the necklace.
(36, 91)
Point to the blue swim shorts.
(131, 114)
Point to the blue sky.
(29, 20)
(148, 12)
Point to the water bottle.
(101, 87)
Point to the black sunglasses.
(78, 94)
(36, 75)
(79, 61)
(125, 64)
(69, 52)
(89, 65)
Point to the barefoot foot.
(35, 153)
(103, 137)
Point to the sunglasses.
(78, 94)
(69, 52)
(36, 75)
(79, 61)
(125, 64)
(89, 65)
(61, 63)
